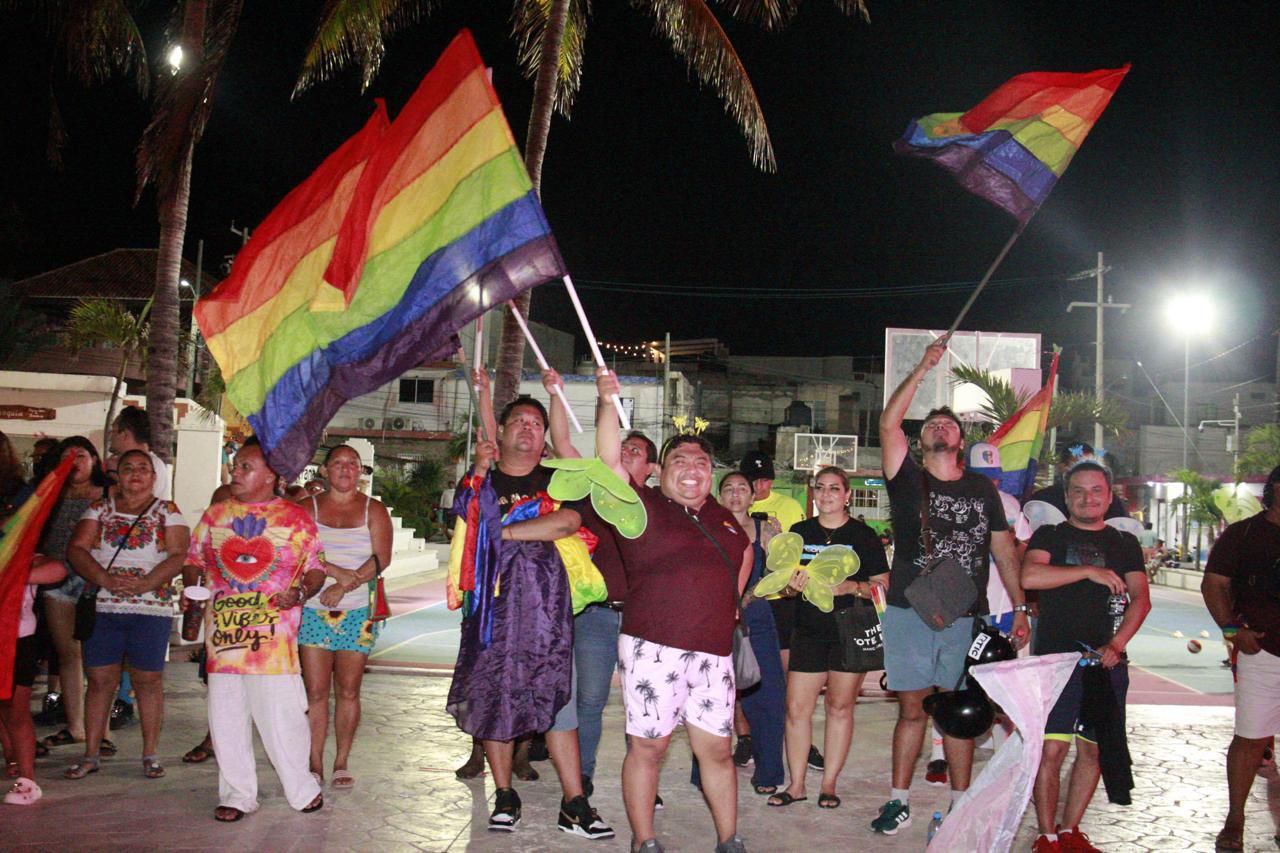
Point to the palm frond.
(184, 100)
(94, 322)
(696, 35)
(1080, 408)
(1002, 401)
(529, 21)
(355, 32)
(96, 39)
(776, 14)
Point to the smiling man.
(260, 556)
(684, 576)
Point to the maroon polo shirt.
(1248, 552)
(681, 590)
(606, 556)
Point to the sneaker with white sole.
(578, 818)
(815, 761)
(506, 810)
(936, 772)
(894, 815)
(742, 752)
(732, 845)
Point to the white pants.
(277, 704)
(1257, 695)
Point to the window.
(417, 390)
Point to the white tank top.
(349, 548)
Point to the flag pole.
(986, 278)
(542, 362)
(595, 348)
(475, 401)
(478, 360)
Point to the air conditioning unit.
(399, 423)
(368, 423)
(419, 426)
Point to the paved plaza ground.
(406, 797)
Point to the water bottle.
(1116, 606)
(934, 826)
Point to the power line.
(713, 291)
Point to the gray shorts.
(567, 717)
(916, 657)
(67, 591)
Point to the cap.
(757, 466)
(984, 458)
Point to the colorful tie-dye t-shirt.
(249, 552)
(136, 556)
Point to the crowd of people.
(289, 625)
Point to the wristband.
(1230, 629)
(1021, 608)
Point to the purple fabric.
(515, 657)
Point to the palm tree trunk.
(111, 404)
(162, 359)
(511, 346)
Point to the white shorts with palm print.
(663, 686)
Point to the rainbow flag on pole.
(1021, 437)
(1012, 148)
(20, 535)
(440, 224)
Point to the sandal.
(1231, 838)
(343, 779)
(62, 738)
(314, 805)
(765, 790)
(23, 792)
(784, 799)
(227, 814)
(11, 769)
(199, 754)
(82, 768)
(107, 748)
(41, 749)
(828, 801)
(151, 767)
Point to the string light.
(645, 351)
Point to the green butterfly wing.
(568, 464)
(772, 584)
(569, 484)
(834, 565)
(629, 517)
(784, 552)
(819, 596)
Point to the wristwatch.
(1021, 608)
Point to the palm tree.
(704, 667)
(648, 695)
(105, 322)
(688, 658)
(704, 705)
(1198, 506)
(551, 36)
(1261, 450)
(671, 678)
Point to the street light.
(1189, 314)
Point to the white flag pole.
(478, 361)
(542, 362)
(595, 348)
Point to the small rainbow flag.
(1021, 437)
(20, 535)
(1012, 148)
(439, 222)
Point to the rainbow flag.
(1012, 148)
(1021, 437)
(440, 224)
(20, 535)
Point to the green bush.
(415, 496)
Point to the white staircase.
(410, 553)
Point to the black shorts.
(24, 662)
(784, 619)
(815, 654)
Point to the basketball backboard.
(992, 351)
(818, 450)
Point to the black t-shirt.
(1056, 495)
(512, 489)
(865, 543)
(963, 514)
(1248, 552)
(1079, 612)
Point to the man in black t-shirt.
(966, 521)
(1084, 570)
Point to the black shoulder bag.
(943, 591)
(87, 603)
(746, 669)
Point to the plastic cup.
(193, 616)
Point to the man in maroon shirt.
(1241, 588)
(684, 576)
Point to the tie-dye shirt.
(249, 552)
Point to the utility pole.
(1100, 307)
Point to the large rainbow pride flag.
(403, 236)
(1021, 437)
(20, 535)
(1012, 148)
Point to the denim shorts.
(916, 657)
(143, 640)
(67, 591)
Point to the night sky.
(650, 184)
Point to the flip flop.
(828, 801)
(41, 750)
(765, 790)
(198, 754)
(107, 748)
(23, 792)
(784, 799)
(313, 806)
(62, 738)
(343, 779)
(151, 767)
(227, 814)
(1230, 839)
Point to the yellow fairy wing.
(834, 565)
(784, 552)
(771, 584)
(819, 596)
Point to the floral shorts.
(663, 686)
(338, 630)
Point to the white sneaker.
(23, 792)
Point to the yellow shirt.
(786, 509)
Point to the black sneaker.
(815, 759)
(588, 787)
(51, 710)
(742, 752)
(658, 805)
(506, 810)
(538, 749)
(936, 772)
(121, 714)
(578, 818)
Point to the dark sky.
(650, 183)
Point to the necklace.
(829, 532)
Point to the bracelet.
(1021, 608)
(1230, 629)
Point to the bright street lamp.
(1189, 314)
